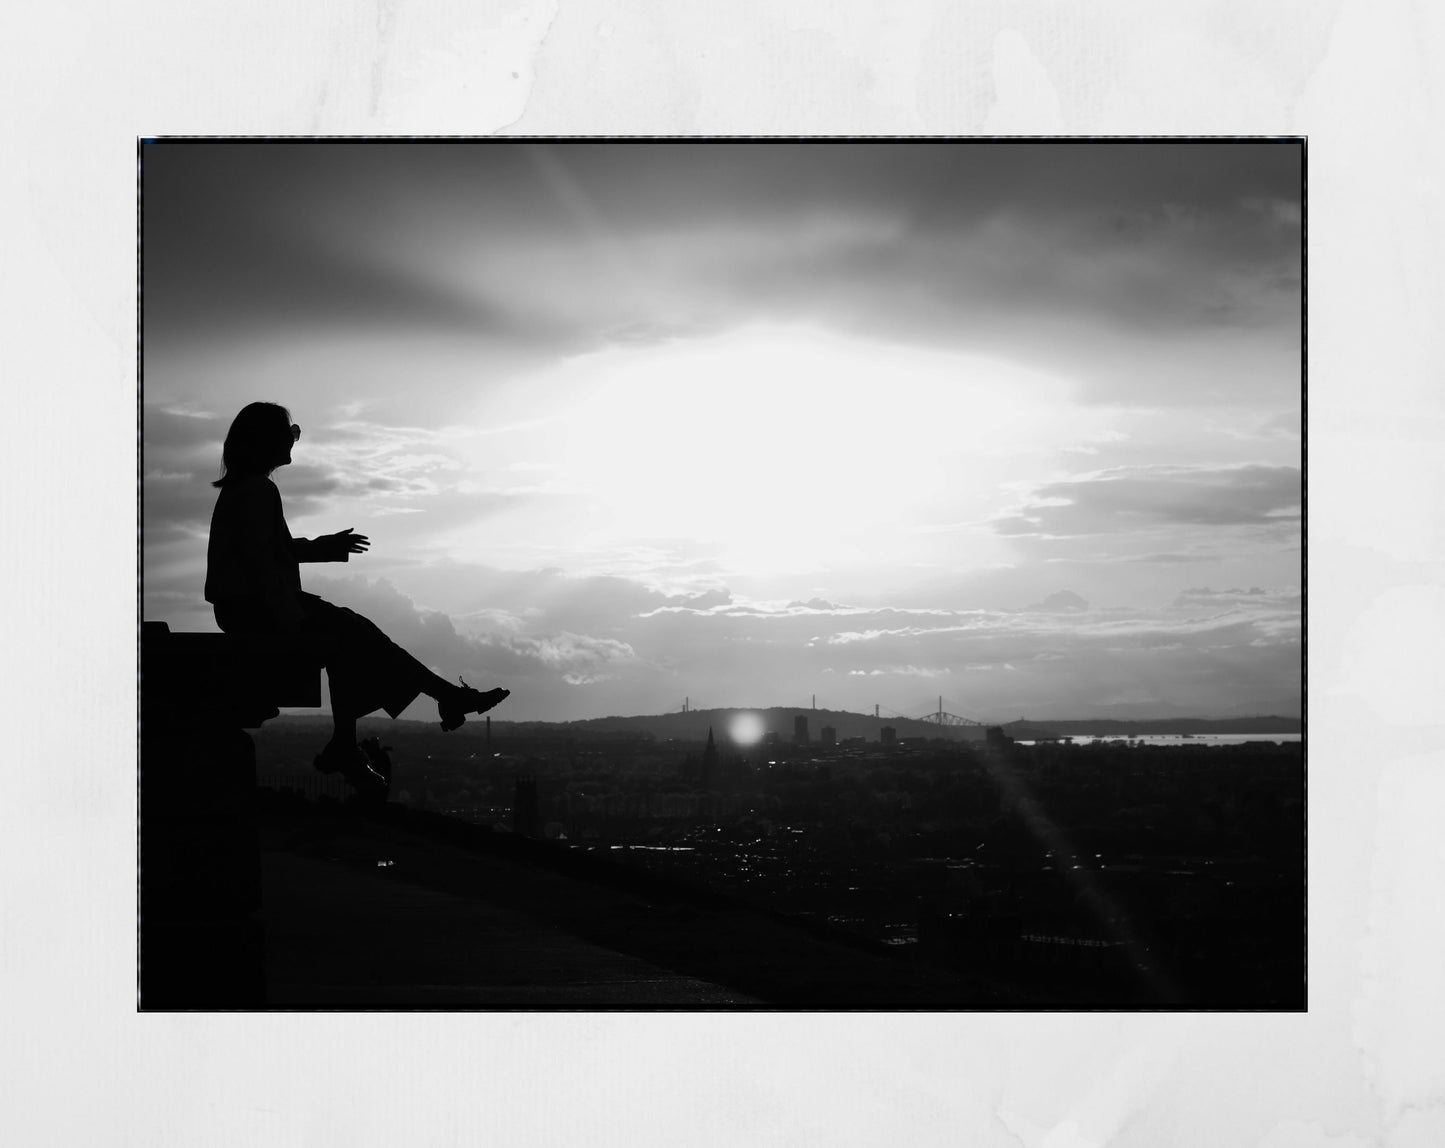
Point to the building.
(709, 763)
(800, 729)
(996, 736)
(829, 735)
(526, 816)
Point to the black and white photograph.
(729, 574)
(773, 574)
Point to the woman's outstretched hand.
(345, 542)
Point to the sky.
(1014, 425)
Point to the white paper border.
(83, 80)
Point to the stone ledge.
(189, 678)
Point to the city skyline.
(629, 422)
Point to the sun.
(746, 729)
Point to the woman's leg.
(245, 618)
(343, 736)
(368, 671)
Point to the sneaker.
(333, 759)
(378, 757)
(465, 700)
(355, 767)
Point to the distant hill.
(693, 725)
(1111, 727)
(690, 726)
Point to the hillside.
(1109, 727)
(694, 725)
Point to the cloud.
(563, 651)
(1132, 499)
(538, 666)
(1286, 425)
(903, 671)
(572, 647)
(1169, 559)
(1180, 308)
(1254, 599)
(403, 297)
(706, 604)
(1064, 256)
(817, 604)
(1062, 602)
(233, 246)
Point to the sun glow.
(746, 729)
(779, 449)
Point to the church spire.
(709, 762)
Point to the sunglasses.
(295, 432)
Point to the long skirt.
(366, 669)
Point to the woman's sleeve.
(316, 550)
(263, 527)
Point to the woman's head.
(259, 441)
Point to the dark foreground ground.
(400, 909)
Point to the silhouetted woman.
(254, 585)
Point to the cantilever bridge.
(940, 716)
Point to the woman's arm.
(336, 547)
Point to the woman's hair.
(251, 442)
